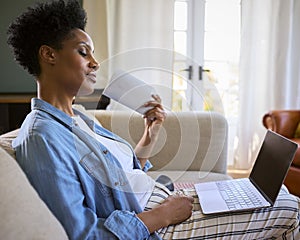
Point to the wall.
(13, 78)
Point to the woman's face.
(75, 64)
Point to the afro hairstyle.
(47, 23)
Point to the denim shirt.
(81, 182)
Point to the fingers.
(179, 207)
(155, 114)
(157, 111)
(156, 98)
(183, 196)
(154, 104)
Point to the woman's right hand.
(177, 208)
(173, 210)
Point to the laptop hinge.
(261, 192)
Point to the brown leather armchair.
(286, 123)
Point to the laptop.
(260, 189)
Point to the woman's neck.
(57, 98)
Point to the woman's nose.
(94, 64)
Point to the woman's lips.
(92, 77)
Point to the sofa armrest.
(23, 214)
(189, 141)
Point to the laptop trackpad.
(210, 199)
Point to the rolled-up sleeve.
(128, 221)
(147, 166)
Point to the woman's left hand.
(155, 116)
(153, 121)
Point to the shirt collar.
(39, 104)
(65, 119)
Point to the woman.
(91, 179)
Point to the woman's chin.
(85, 92)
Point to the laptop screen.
(272, 163)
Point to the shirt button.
(105, 151)
(116, 183)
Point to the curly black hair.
(46, 23)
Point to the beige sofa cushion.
(6, 140)
(23, 214)
(188, 141)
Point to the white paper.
(129, 91)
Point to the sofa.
(192, 148)
(287, 123)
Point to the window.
(221, 49)
(208, 31)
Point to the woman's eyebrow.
(87, 45)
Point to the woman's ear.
(47, 54)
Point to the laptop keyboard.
(238, 194)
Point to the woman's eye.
(82, 53)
